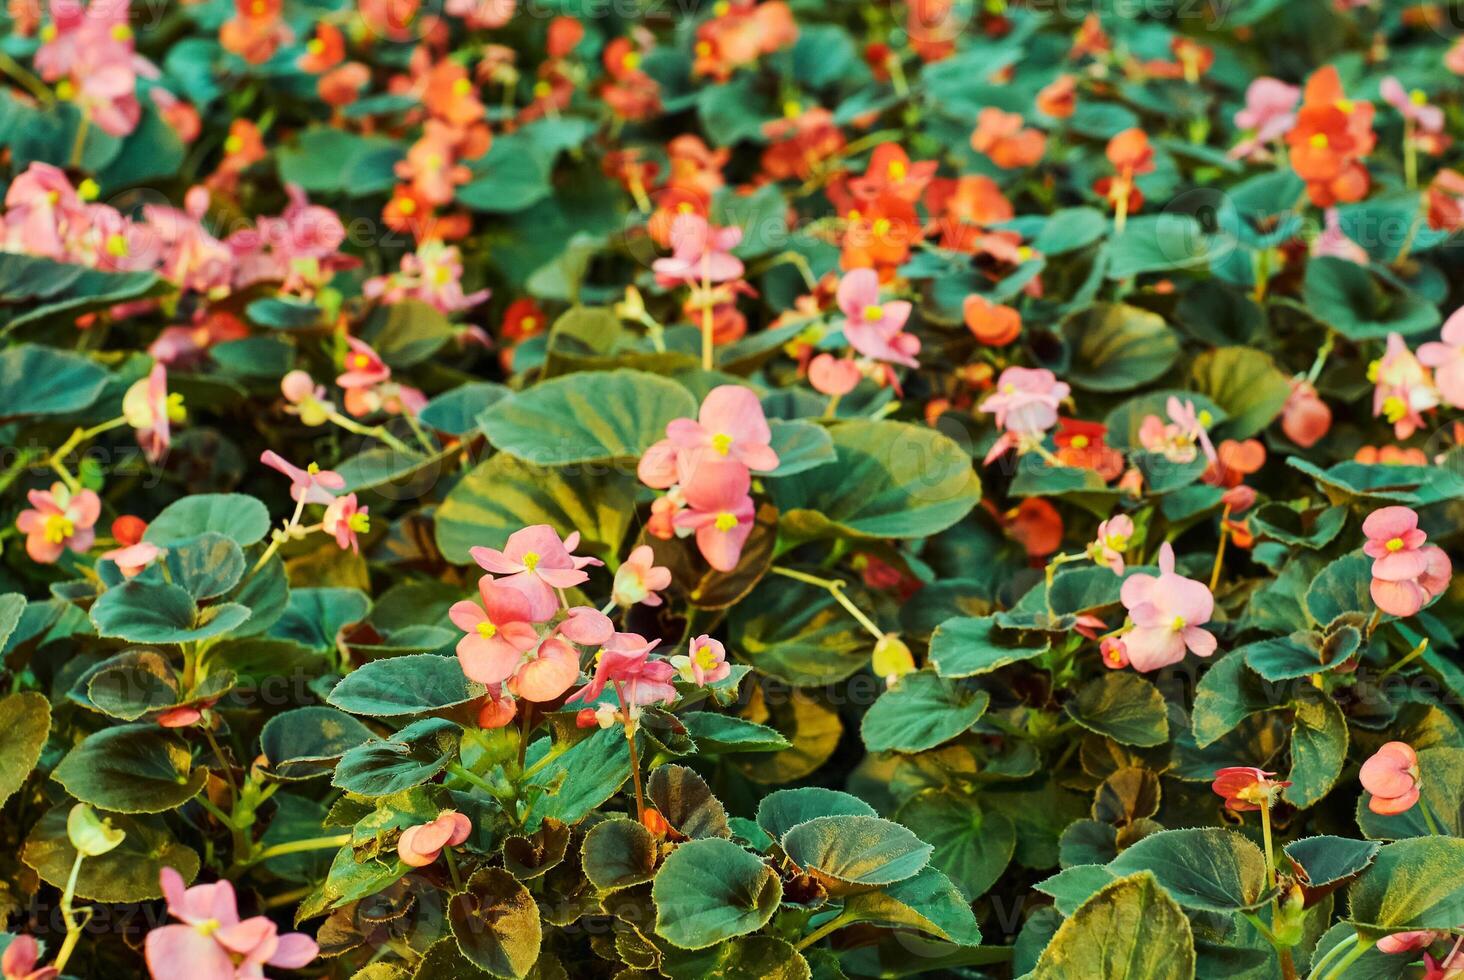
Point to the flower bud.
(91, 835)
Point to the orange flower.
(890, 169)
(1237, 460)
(256, 31)
(879, 234)
(989, 322)
(1083, 445)
(324, 51)
(1331, 135)
(450, 95)
(1130, 152)
(802, 141)
(1059, 98)
(1001, 137)
(1036, 525)
(340, 86)
(565, 34)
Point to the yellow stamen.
(726, 521)
(1394, 544)
(487, 630)
(359, 522)
(1079, 442)
(722, 443)
(233, 144)
(58, 528)
(874, 312)
(1319, 141)
(898, 170)
(462, 87)
(531, 560)
(1178, 624)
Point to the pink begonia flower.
(1025, 404)
(150, 410)
(536, 562)
(1111, 541)
(1403, 388)
(1168, 611)
(730, 426)
(1413, 106)
(344, 519)
(1269, 111)
(550, 672)
(1391, 776)
(312, 484)
(1182, 438)
(42, 211)
(419, 846)
(1114, 653)
(306, 398)
(625, 665)
(639, 578)
(872, 328)
(1306, 418)
(498, 631)
(699, 252)
(432, 274)
(363, 370)
(719, 511)
(1446, 357)
(57, 520)
(704, 663)
(133, 558)
(90, 54)
(585, 625)
(834, 376)
(1246, 788)
(1406, 576)
(1408, 942)
(1334, 243)
(213, 943)
(19, 961)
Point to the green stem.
(1266, 841)
(837, 922)
(640, 800)
(835, 588)
(1408, 658)
(706, 313)
(1220, 550)
(370, 431)
(309, 844)
(1330, 955)
(280, 536)
(1340, 970)
(463, 772)
(73, 928)
(1428, 817)
(26, 79)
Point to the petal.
(736, 411)
(859, 288)
(183, 951)
(1397, 598)
(485, 660)
(1201, 643)
(466, 615)
(294, 951)
(493, 560)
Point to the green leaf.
(1206, 869)
(711, 890)
(593, 417)
(456, 410)
(1244, 382)
(580, 778)
(1361, 306)
(512, 176)
(1327, 860)
(41, 288)
(920, 712)
(618, 853)
(1073, 886)
(1372, 485)
(968, 646)
(158, 612)
(798, 633)
(25, 724)
(743, 958)
(800, 445)
(928, 902)
(973, 844)
(1301, 654)
(411, 757)
(1116, 347)
(316, 616)
(1413, 884)
(1122, 706)
(1158, 243)
(1344, 586)
(784, 809)
(37, 380)
(1318, 748)
(1227, 695)
(128, 873)
(303, 743)
(206, 566)
(332, 160)
(131, 769)
(1296, 526)
(891, 480)
(503, 494)
(407, 333)
(846, 853)
(412, 685)
(496, 923)
(131, 685)
(1130, 930)
(687, 803)
(234, 515)
(718, 733)
(733, 112)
